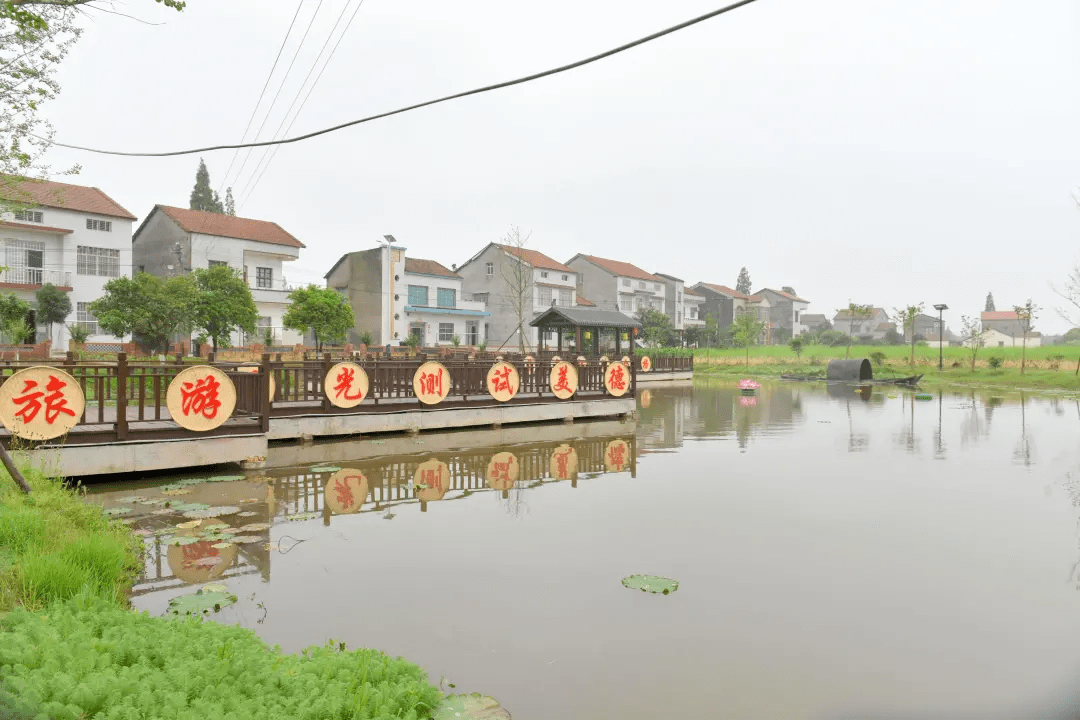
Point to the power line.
(476, 91)
(255, 109)
(277, 133)
(304, 102)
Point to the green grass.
(52, 545)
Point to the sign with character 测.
(201, 398)
(41, 403)
(431, 383)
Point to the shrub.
(79, 333)
(1055, 361)
(994, 362)
(365, 338)
(455, 341)
(815, 360)
(878, 357)
(91, 658)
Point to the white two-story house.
(72, 236)
(394, 296)
(500, 274)
(174, 241)
(614, 284)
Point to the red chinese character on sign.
(193, 552)
(617, 378)
(617, 455)
(344, 380)
(433, 478)
(500, 380)
(201, 397)
(344, 492)
(562, 383)
(561, 463)
(501, 470)
(646, 363)
(431, 383)
(55, 403)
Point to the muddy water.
(841, 554)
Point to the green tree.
(230, 203)
(973, 336)
(29, 15)
(223, 304)
(745, 331)
(989, 302)
(1026, 314)
(656, 328)
(907, 316)
(53, 305)
(856, 313)
(323, 311)
(147, 307)
(743, 283)
(712, 329)
(13, 318)
(796, 344)
(203, 197)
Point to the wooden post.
(121, 396)
(266, 370)
(578, 348)
(618, 343)
(558, 342)
(13, 471)
(326, 404)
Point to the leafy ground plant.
(89, 658)
(651, 583)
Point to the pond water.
(840, 553)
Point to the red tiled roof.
(584, 303)
(623, 269)
(536, 258)
(46, 193)
(37, 228)
(725, 290)
(428, 267)
(886, 326)
(208, 223)
(1000, 315)
(788, 295)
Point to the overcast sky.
(874, 152)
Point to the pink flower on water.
(748, 401)
(748, 384)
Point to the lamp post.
(389, 240)
(940, 335)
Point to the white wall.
(431, 320)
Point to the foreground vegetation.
(1051, 367)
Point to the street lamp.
(389, 240)
(940, 335)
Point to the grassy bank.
(1047, 368)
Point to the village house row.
(78, 238)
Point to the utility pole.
(940, 336)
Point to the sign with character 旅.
(503, 381)
(41, 403)
(201, 398)
(431, 383)
(617, 379)
(346, 385)
(563, 380)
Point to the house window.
(24, 261)
(447, 298)
(264, 278)
(97, 261)
(480, 297)
(641, 285)
(215, 263)
(656, 286)
(566, 298)
(102, 225)
(626, 305)
(490, 268)
(417, 331)
(446, 332)
(472, 332)
(543, 273)
(545, 296)
(418, 295)
(33, 216)
(626, 282)
(85, 319)
(565, 277)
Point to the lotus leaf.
(163, 511)
(221, 545)
(152, 501)
(183, 506)
(225, 478)
(129, 499)
(472, 706)
(214, 525)
(246, 539)
(183, 540)
(114, 511)
(189, 524)
(255, 527)
(198, 514)
(304, 516)
(176, 491)
(324, 469)
(214, 587)
(200, 602)
(651, 583)
(222, 510)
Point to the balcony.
(274, 291)
(32, 277)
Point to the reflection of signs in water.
(502, 471)
(346, 385)
(646, 363)
(617, 456)
(195, 563)
(41, 403)
(254, 370)
(346, 491)
(748, 401)
(431, 480)
(431, 383)
(646, 398)
(564, 463)
(503, 381)
(563, 380)
(201, 398)
(617, 379)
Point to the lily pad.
(129, 499)
(176, 491)
(472, 706)
(214, 525)
(163, 511)
(221, 545)
(189, 524)
(214, 587)
(114, 511)
(225, 478)
(651, 583)
(304, 516)
(222, 510)
(324, 469)
(254, 527)
(151, 501)
(184, 506)
(246, 539)
(201, 602)
(198, 514)
(183, 540)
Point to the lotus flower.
(748, 384)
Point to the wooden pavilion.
(586, 325)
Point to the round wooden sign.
(201, 398)
(255, 369)
(431, 383)
(617, 379)
(564, 463)
(617, 456)
(41, 403)
(503, 381)
(346, 491)
(346, 385)
(503, 471)
(431, 480)
(199, 562)
(646, 363)
(563, 380)
(646, 398)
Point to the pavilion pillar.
(631, 332)
(578, 346)
(558, 341)
(618, 342)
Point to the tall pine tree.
(989, 302)
(230, 204)
(743, 283)
(203, 196)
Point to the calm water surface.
(841, 555)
